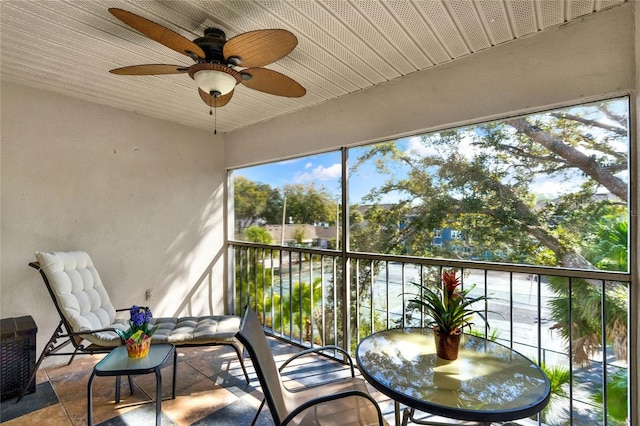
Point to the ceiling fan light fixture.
(215, 79)
(216, 83)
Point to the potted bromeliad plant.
(449, 310)
(138, 337)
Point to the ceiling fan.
(216, 58)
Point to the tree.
(251, 202)
(258, 204)
(307, 204)
(299, 234)
(479, 180)
(272, 213)
(617, 397)
(608, 247)
(256, 234)
(298, 308)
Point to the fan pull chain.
(215, 121)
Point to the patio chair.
(87, 315)
(342, 402)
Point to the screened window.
(550, 188)
(545, 189)
(293, 203)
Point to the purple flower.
(138, 323)
(137, 319)
(147, 315)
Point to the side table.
(117, 363)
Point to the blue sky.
(325, 169)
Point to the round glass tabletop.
(488, 382)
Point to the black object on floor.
(43, 397)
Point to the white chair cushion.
(85, 304)
(82, 298)
(196, 330)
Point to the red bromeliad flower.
(449, 308)
(450, 281)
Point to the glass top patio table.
(487, 383)
(117, 363)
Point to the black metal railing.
(302, 297)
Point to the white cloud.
(308, 165)
(320, 173)
(415, 147)
(284, 162)
(556, 186)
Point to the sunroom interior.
(146, 195)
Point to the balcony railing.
(302, 297)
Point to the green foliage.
(251, 201)
(299, 234)
(584, 312)
(608, 249)
(617, 398)
(609, 245)
(479, 180)
(258, 203)
(297, 308)
(257, 234)
(493, 336)
(449, 307)
(251, 283)
(558, 377)
(307, 204)
(139, 328)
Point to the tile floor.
(210, 390)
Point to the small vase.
(138, 350)
(447, 345)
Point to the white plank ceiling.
(68, 46)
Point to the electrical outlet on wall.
(148, 294)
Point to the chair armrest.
(129, 308)
(81, 333)
(333, 397)
(319, 349)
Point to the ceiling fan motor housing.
(212, 44)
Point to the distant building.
(317, 236)
(445, 235)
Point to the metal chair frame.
(65, 331)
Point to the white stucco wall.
(142, 196)
(578, 61)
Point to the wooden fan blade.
(159, 33)
(150, 69)
(269, 81)
(215, 102)
(261, 47)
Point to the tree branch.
(618, 130)
(585, 163)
